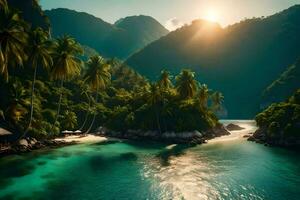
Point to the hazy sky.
(173, 13)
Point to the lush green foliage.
(157, 107)
(282, 120)
(50, 89)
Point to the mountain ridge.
(111, 40)
(229, 58)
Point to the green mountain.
(120, 40)
(284, 86)
(240, 60)
(31, 12)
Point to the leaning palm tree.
(85, 91)
(186, 85)
(154, 99)
(39, 55)
(97, 76)
(3, 5)
(164, 81)
(217, 100)
(13, 39)
(66, 63)
(203, 95)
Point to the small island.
(279, 124)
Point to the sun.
(212, 16)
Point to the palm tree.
(97, 76)
(86, 92)
(66, 63)
(70, 120)
(13, 38)
(19, 100)
(154, 99)
(3, 5)
(164, 81)
(203, 95)
(217, 100)
(39, 55)
(186, 84)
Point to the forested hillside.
(241, 60)
(111, 40)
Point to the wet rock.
(23, 142)
(189, 137)
(234, 127)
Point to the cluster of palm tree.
(187, 87)
(22, 47)
(164, 99)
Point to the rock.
(234, 127)
(23, 142)
(32, 141)
(246, 136)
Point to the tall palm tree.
(97, 76)
(186, 84)
(154, 99)
(39, 55)
(66, 63)
(85, 90)
(13, 39)
(3, 5)
(164, 81)
(203, 95)
(217, 100)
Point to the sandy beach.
(89, 138)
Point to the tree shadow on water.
(165, 155)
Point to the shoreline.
(30, 144)
(218, 133)
(260, 137)
(188, 137)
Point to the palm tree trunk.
(31, 103)
(157, 121)
(86, 117)
(94, 117)
(59, 103)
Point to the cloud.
(173, 24)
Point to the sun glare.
(212, 16)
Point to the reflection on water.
(226, 168)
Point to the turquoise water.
(225, 168)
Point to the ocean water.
(226, 168)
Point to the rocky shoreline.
(31, 144)
(260, 136)
(191, 137)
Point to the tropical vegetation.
(281, 121)
(47, 87)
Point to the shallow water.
(226, 168)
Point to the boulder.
(234, 127)
(23, 142)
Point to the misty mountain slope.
(240, 60)
(284, 86)
(119, 40)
